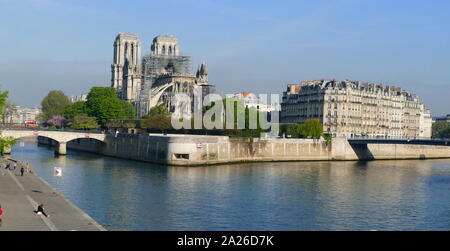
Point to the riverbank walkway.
(20, 196)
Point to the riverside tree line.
(103, 109)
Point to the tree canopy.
(310, 129)
(158, 118)
(54, 104)
(84, 122)
(3, 98)
(441, 130)
(158, 110)
(75, 109)
(158, 121)
(5, 142)
(103, 104)
(252, 117)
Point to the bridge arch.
(61, 137)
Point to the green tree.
(75, 109)
(103, 103)
(441, 130)
(130, 111)
(84, 122)
(158, 110)
(292, 130)
(54, 104)
(312, 128)
(159, 122)
(5, 142)
(3, 98)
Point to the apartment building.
(353, 109)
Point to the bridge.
(61, 137)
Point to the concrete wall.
(342, 150)
(200, 150)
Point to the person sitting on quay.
(40, 210)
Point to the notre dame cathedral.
(158, 76)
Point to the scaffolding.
(156, 65)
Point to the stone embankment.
(20, 196)
(191, 150)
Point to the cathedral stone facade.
(158, 76)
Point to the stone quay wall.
(191, 150)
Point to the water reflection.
(128, 195)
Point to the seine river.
(128, 195)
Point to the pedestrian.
(21, 171)
(1, 212)
(27, 167)
(40, 210)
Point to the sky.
(258, 46)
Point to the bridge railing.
(50, 130)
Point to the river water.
(129, 195)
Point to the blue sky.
(249, 45)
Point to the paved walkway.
(19, 197)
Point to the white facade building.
(353, 109)
(251, 100)
(21, 115)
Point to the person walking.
(1, 212)
(21, 171)
(27, 167)
(40, 210)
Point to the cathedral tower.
(126, 68)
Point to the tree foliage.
(103, 104)
(240, 110)
(75, 109)
(5, 142)
(54, 104)
(3, 98)
(84, 122)
(441, 130)
(158, 118)
(310, 129)
(159, 122)
(57, 121)
(291, 130)
(158, 110)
